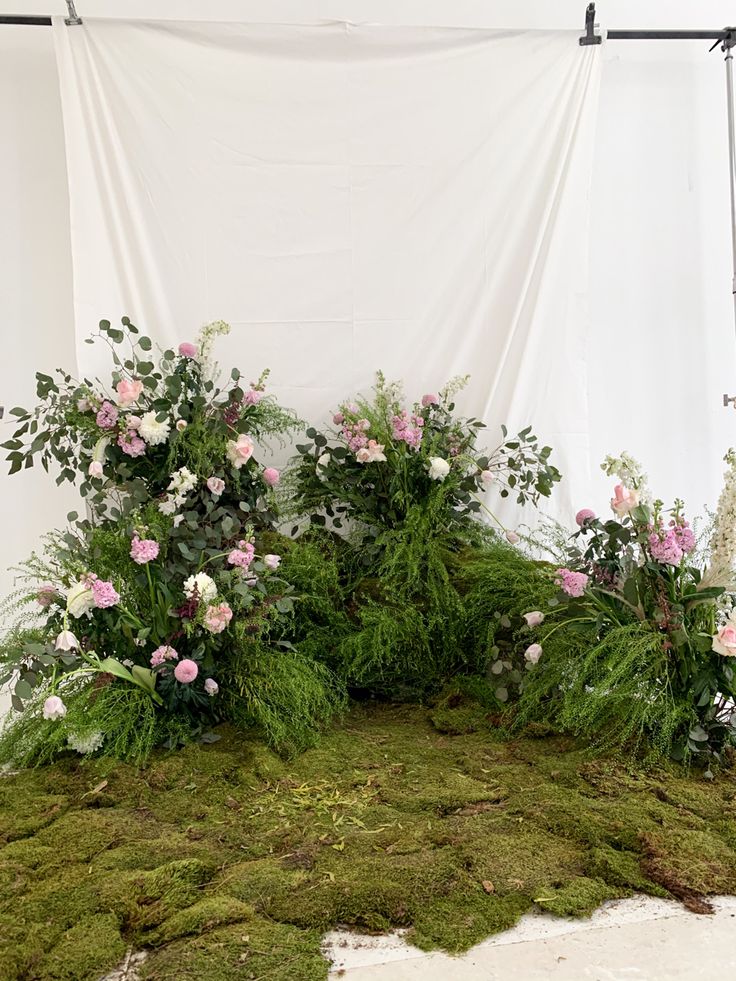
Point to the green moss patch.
(225, 861)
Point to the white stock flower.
(153, 431)
(438, 468)
(722, 546)
(182, 481)
(204, 586)
(79, 599)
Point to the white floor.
(639, 939)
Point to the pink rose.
(623, 500)
(95, 469)
(217, 618)
(584, 515)
(724, 642)
(187, 350)
(533, 653)
(129, 391)
(186, 671)
(271, 476)
(215, 486)
(363, 455)
(534, 619)
(240, 450)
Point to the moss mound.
(225, 861)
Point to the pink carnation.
(187, 350)
(271, 476)
(143, 550)
(584, 515)
(162, 654)
(186, 671)
(217, 618)
(104, 593)
(107, 416)
(131, 443)
(572, 583)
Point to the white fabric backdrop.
(348, 198)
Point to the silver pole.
(727, 47)
(73, 20)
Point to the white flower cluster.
(182, 482)
(205, 342)
(629, 472)
(203, 585)
(86, 744)
(152, 431)
(722, 547)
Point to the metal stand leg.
(727, 46)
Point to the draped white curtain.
(348, 198)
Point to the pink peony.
(533, 653)
(53, 708)
(242, 556)
(211, 686)
(584, 515)
(215, 486)
(624, 500)
(162, 654)
(186, 671)
(217, 617)
(129, 391)
(272, 561)
(107, 416)
(105, 594)
(187, 350)
(46, 594)
(724, 642)
(572, 583)
(240, 450)
(271, 476)
(534, 619)
(95, 469)
(430, 399)
(143, 550)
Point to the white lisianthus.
(167, 506)
(152, 431)
(438, 468)
(204, 586)
(79, 599)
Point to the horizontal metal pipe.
(30, 21)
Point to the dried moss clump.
(226, 861)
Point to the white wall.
(661, 317)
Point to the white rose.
(79, 599)
(438, 468)
(153, 431)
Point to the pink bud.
(187, 350)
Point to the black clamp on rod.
(590, 37)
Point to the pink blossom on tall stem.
(143, 550)
(252, 397)
(664, 547)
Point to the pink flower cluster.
(131, 443)
(670, 545)
(162, 654)
(243, 555)
(217, 617)
(104, 593)
(143, 550)
(107, 416)
(572, 583)
(354, 433)
(408, 428)
(46, 594)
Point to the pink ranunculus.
(272, 561)
(533, 653)
(162, 654)
(724, 642)
(95, 469)
(215, 485)
(143, 550)
(187, 350)
(430, 399)
(186, 671)
(217, 617)
(624, 500)
(534, 619)
(129, 391)
(46, 594)
(271, 476)
(585, 514)
(240, 450)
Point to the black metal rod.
(29, 21)
(667, 35)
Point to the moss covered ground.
(225, 861)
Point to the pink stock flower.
(271, 476)
(252, 397)
(95, 469)
(186, 671)
(104, 593)
(143, 550)
(724, 642)
(684, 535)
(407, 428)
(624, 500)
(572, 583)
(430, 399)
(131, 443)
(215, 485)
(46, 594)
(242, 556)
(107, 416)
(162, 654)
(187, 350)
(585, 514)
(129, 391)
(217, 617)
(240, 450)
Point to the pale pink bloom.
(143, 550)
(272, 561)
(584, 515)
(53, 708)
(430, 399)
(83, 405)
(162, 654)
(181, 425)
(252, 397)
(186, 671)
(533, 653)
(105, 594)
(131, 443)
(217, 617)
(372, 453)
(338, 418)
(187, 350)
(211, 686)
(240, 450)
(242, 556)
(215, 486)
(572, 583)
(95, 469)
(46, 594)
(66, 641)
(271, 476)
(107, 416)
(624, 499)
(129, 391)
(512, 537)
(724, 642)
(534, 618)
(133, 422)
(486, 477)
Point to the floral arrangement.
(162, 596)
(383, 458)
(657, 621)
